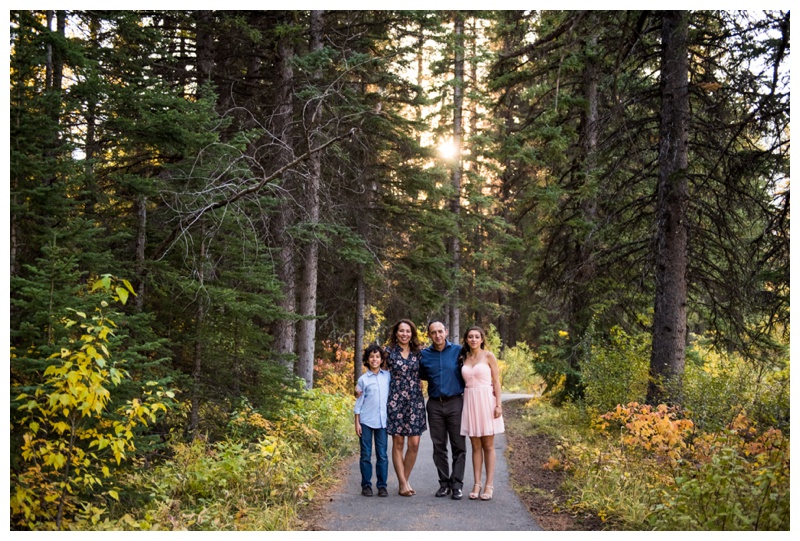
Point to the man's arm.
(423, 368)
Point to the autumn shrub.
(733, 479)
(333, 369)
(75, 432)
(256, 479)
(640, 467)
(616, 370)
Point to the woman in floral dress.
(406, 407)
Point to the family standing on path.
(464, 400)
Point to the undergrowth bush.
(717, 386)
(720, 462)
(256, 479)
(641, 467)
(516, 371)
(617, 369)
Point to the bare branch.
(187, 221)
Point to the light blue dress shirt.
(371, 405)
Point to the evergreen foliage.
(263, 179)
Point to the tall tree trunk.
(53, 80)
(48, 54)
(420, 77)
(205, 65)
(13, 242)
(308, 288)
(510, 42)
(358, 343)
(58, 54)
(579, 316)
(141, 244)
(669, 320)
(455, 204)
(91, 146)
(200, 315)
(205, 46)
(284, 330)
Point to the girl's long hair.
(465, 346)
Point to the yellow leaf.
(123, 295)
(113, 494)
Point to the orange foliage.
(333, 370)
(660, 430)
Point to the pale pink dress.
(477, 417)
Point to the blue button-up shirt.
(440, 370)
(371, 405)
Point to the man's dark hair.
(431, 322)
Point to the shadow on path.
(348, 510)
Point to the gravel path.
(348, 510)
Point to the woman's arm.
(498, 393)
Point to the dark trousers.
(444, 422)
(380, 437)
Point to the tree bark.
(141, 243)
(455, 204)
(200, 315)
(669, 320)
(284, 330)
(579, 316)
(358, 343)
(306, 332)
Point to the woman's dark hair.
(413, 344)
(465, 346)
(368, 351)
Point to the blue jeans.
(382, 466)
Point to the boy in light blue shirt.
(370, 420)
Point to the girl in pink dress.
(482, 416)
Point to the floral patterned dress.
(406, 406)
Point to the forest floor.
(539, 488)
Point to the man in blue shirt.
(439, 367)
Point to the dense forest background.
(211, 210)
